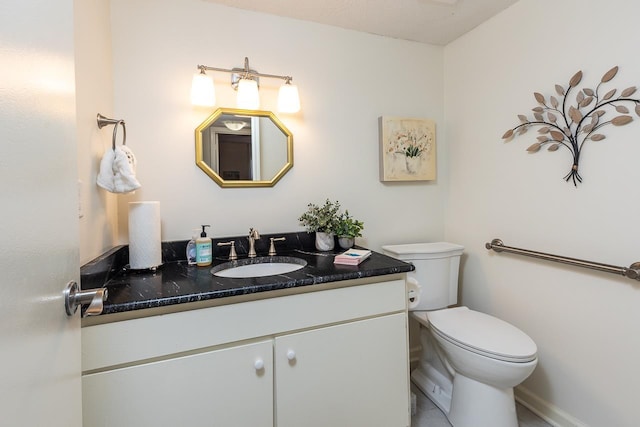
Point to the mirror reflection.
(244, 148)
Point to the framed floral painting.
(407, 149)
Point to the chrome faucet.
(253, 235)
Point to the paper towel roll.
(413, 293)
(145, 248)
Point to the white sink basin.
(258, 267)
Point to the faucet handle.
(272, 247)
(232, 252)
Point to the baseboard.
(545, 410)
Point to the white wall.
(94, 94)
(585, 323)
(346, 80)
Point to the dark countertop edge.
(163, 309)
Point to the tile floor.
(429, 415)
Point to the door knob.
(291, 355)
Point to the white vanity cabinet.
(214, 388)
(353, 374)
(334, 357)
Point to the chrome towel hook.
(104, 121)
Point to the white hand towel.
(118, 171)
(105, 176)
(124, 167)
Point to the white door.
(39, 344)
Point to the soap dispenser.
(191, 247)
(204, 253)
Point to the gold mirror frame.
(242, 183)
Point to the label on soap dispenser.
(203, 253)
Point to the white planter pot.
(346, 242)
(324, 241)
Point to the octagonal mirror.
(244, 148)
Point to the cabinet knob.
(291, 355)
(258, 364)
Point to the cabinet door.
(349, 375)
(222, 388)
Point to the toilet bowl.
(486, 358)
(470, 361)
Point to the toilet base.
(474, 404)
(434, 385)
(466, 402)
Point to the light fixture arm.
(245, 72)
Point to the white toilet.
(470, 361)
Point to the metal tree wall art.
(562, 125)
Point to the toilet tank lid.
(423, 250)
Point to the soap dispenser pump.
(204, 253)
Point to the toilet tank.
(436, 272)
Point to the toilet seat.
(483, 334)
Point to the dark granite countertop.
(176, 282)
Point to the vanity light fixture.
(246, 82)
(288, 98)
(203, 92)
(248, 97)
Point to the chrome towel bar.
(632, 272)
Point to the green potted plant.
(348, 229)
(323, 220)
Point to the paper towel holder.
(105, 121)
(151, 269)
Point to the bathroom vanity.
(322, 346)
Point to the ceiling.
(428, 21)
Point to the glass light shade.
(234, 125)
(288, 99)
(202, 91)
(248, 97)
